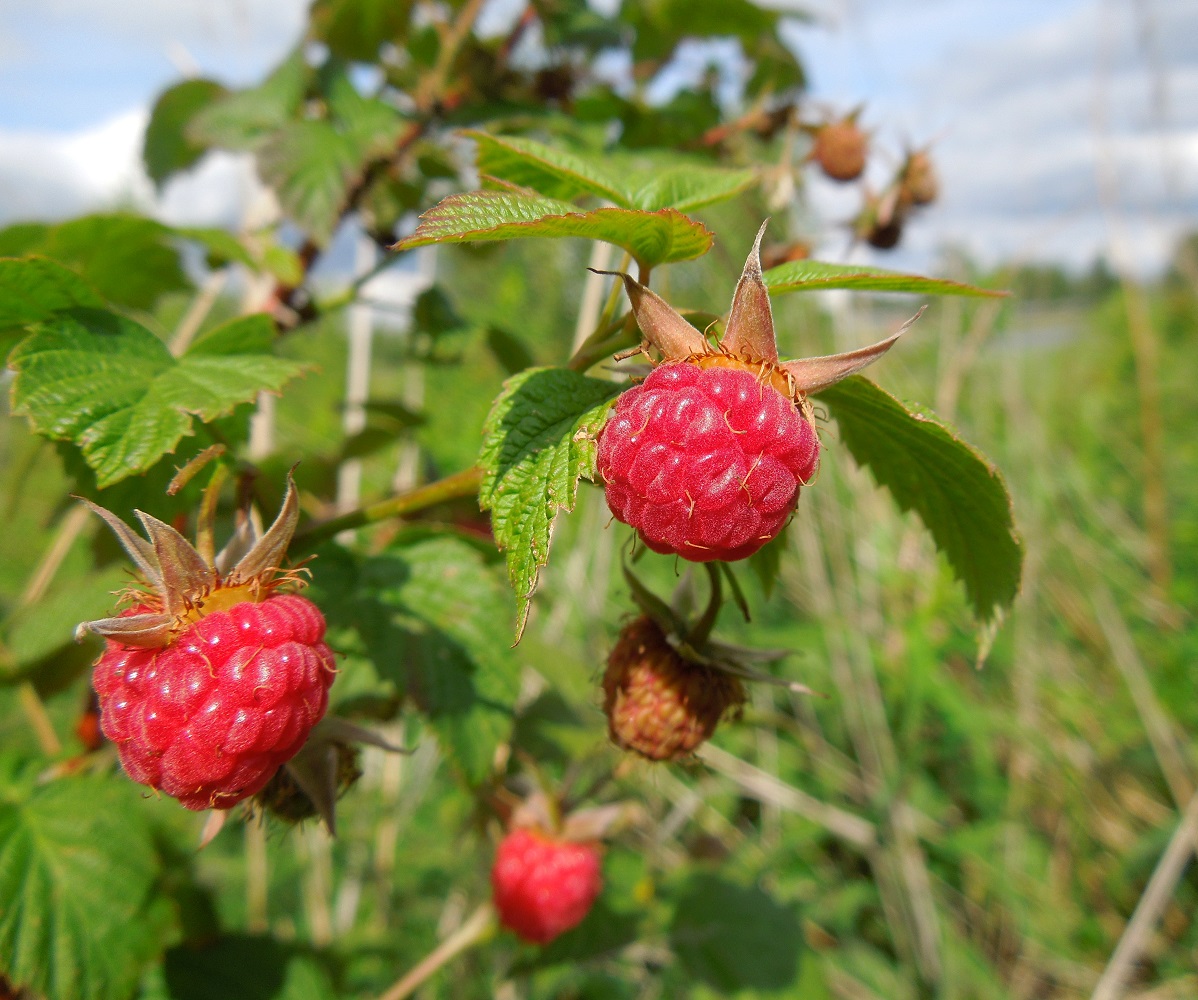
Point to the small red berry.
(543, 886)
(657, 702)
(214, 679)
(706, 462)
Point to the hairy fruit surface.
(706, 462)
(210, 718)
(658, 703)
(543, 886)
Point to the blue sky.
(1029, 103)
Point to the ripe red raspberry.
(543, 886)
(215, 679)
(706, 461)
(657, 702)
(210, 718)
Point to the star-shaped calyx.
(182, 584)
(706, 457)
(749, 340)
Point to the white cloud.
(55, 175)
(50, 176)
(211, 21)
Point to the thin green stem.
(699, 634)
(460, 484)
(603, 343)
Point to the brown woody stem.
(460, 484)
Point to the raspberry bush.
(350, 667)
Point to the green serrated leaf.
(128, 259)
(428, 609)
(957, 493)
(168, 148)
(661, 24)
(33, 631)
(74, 920)
(555, 173)
(310, 165)
(33, 289)
(538, 441)
(110, 386)
(371, 124)
(815, 275)
(223, 246)
(241, 120)
(652, 238)
(689, 187)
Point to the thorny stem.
(702, 628)
(476, 928)
(460, 484)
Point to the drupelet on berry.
(215, 678)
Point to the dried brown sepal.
(661, 324)
(750, 329)
(267, 554)
(183, 586)
(750, 337)
(139, 550)
(184, 572)
(133, 630)
(812, 374)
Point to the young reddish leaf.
(487, 216)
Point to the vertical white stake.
(357, 381)
(407, 468)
